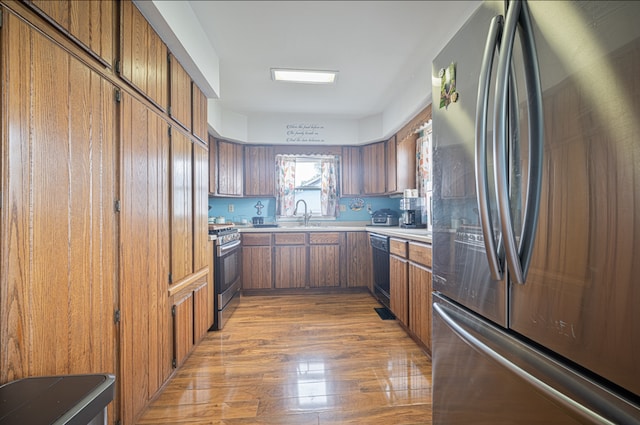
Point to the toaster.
(385, 217)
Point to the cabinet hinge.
(169, 131)
(118, 95)
(169, 110)
(118, 66)
(174, 363)
(116, 316)
(116, 205)
(173, 311)
(1, 22)
(170, 278)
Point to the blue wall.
(245, 208)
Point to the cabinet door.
(392, 165)
(143, 61)
(324, 265)
(351, 175)
(180, 93)
(181, 206)
(199, 126)
(89, 22)
(145, 331)
(229, 168)
(58, 226)
(359, 260)
(201, 309)
(399, 288)
(256, 267)
(406, 163)
(373, 157)
(290, 266)
(182, 313)
(213, 165)
(420, 303)
(200, 207)
(259, 171)
(210, 288)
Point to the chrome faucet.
(306, 215)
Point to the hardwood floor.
(310, 359)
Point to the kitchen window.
(312, 178)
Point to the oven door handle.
(223, 249)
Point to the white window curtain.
(286, 182)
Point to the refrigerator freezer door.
(581, 295)
(460, 266)
(482, 375)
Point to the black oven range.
(227, 254)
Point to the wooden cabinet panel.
(290, 266)
(401, 164)
(351, 175)
(181, 206)
(200, 207)
(89, 22)
(182, 312)
(322, 238)
(257, 267)
(420, 303)
(374, 164)
(146, 329)
(399, 288)
(229, 168)
(290, 238)
(359, 260)
(199, 108)
(324, 266)
(201, 308)
(392, 165)
(398, 247)
(210, 288)
(58, 224)
(256, 239)
(143, 61)
(213, 165)
(180, 93)
(420, 253)
(259, 171)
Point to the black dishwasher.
(380, 250)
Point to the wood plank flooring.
(309, 359)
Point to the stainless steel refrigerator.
(536, 215)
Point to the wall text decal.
(304, 133)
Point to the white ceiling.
(377, 47)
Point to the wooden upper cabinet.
(401, 164)
(229, 168)
(373, 158)
(199, 124)
(89, 23)
(181, 206)
(180, 94)
(143, 62)
(213, 165)
(351, 174)
(259, 171)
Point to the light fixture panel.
(308, 76)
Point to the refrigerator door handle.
(536, 140)
(579, 394)
(482, 180)
(518, 256)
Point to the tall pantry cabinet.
(87, 224)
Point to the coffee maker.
(412, 208)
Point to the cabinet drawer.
(289, 238)
(256, 239)
(324, 238)
(420, 253)
(398, 247)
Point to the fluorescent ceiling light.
(304, 76)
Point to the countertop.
(419, 235)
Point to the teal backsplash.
(245, 208)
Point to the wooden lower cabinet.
(324, 259)
(182, 312)
(399, 288)
(420, 303)
(257, 261)
(359, 267)
(201, 309)
(290, 266)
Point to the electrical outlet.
(343, 208)
(230, 207)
